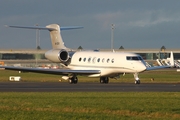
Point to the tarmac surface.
(87, 87)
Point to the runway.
(86, 87)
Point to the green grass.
(90, 105)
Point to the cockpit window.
(133, 58)
(140, 58)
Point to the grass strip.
(90, 105)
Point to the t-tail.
(55, 33)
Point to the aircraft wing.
(51, 71)
(156, 67)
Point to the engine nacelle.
(59, 56)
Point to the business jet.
(104, 65)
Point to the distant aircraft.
(104, 65)
(168, 61)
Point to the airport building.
(23, 57)
(36, 57)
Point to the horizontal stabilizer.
(71, 27)
(45, 28)
(32, 27)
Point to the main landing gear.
(73, 80)
(104, 80)
(137, 80)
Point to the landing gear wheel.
(137, 81)
(70, 81)
(104, 80)
(73, 80)
(101, 80)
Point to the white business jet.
(104, 65)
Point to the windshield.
(137, 58)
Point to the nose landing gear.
(137, 80)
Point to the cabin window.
(103, 59)
(89, 59)
(112, 60)
(94, 59)
(84, 59)
(98, 59)
(79, 59)
(108, 60)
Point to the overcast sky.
(138, 23)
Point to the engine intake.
(59, 56)
(63, 55)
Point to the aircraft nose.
(141, 67)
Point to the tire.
(101, 80)
(137, 81)
(106, 80)
(75, 80)
(70, 81)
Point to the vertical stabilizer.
(55, 34)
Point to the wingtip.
(6, 26)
